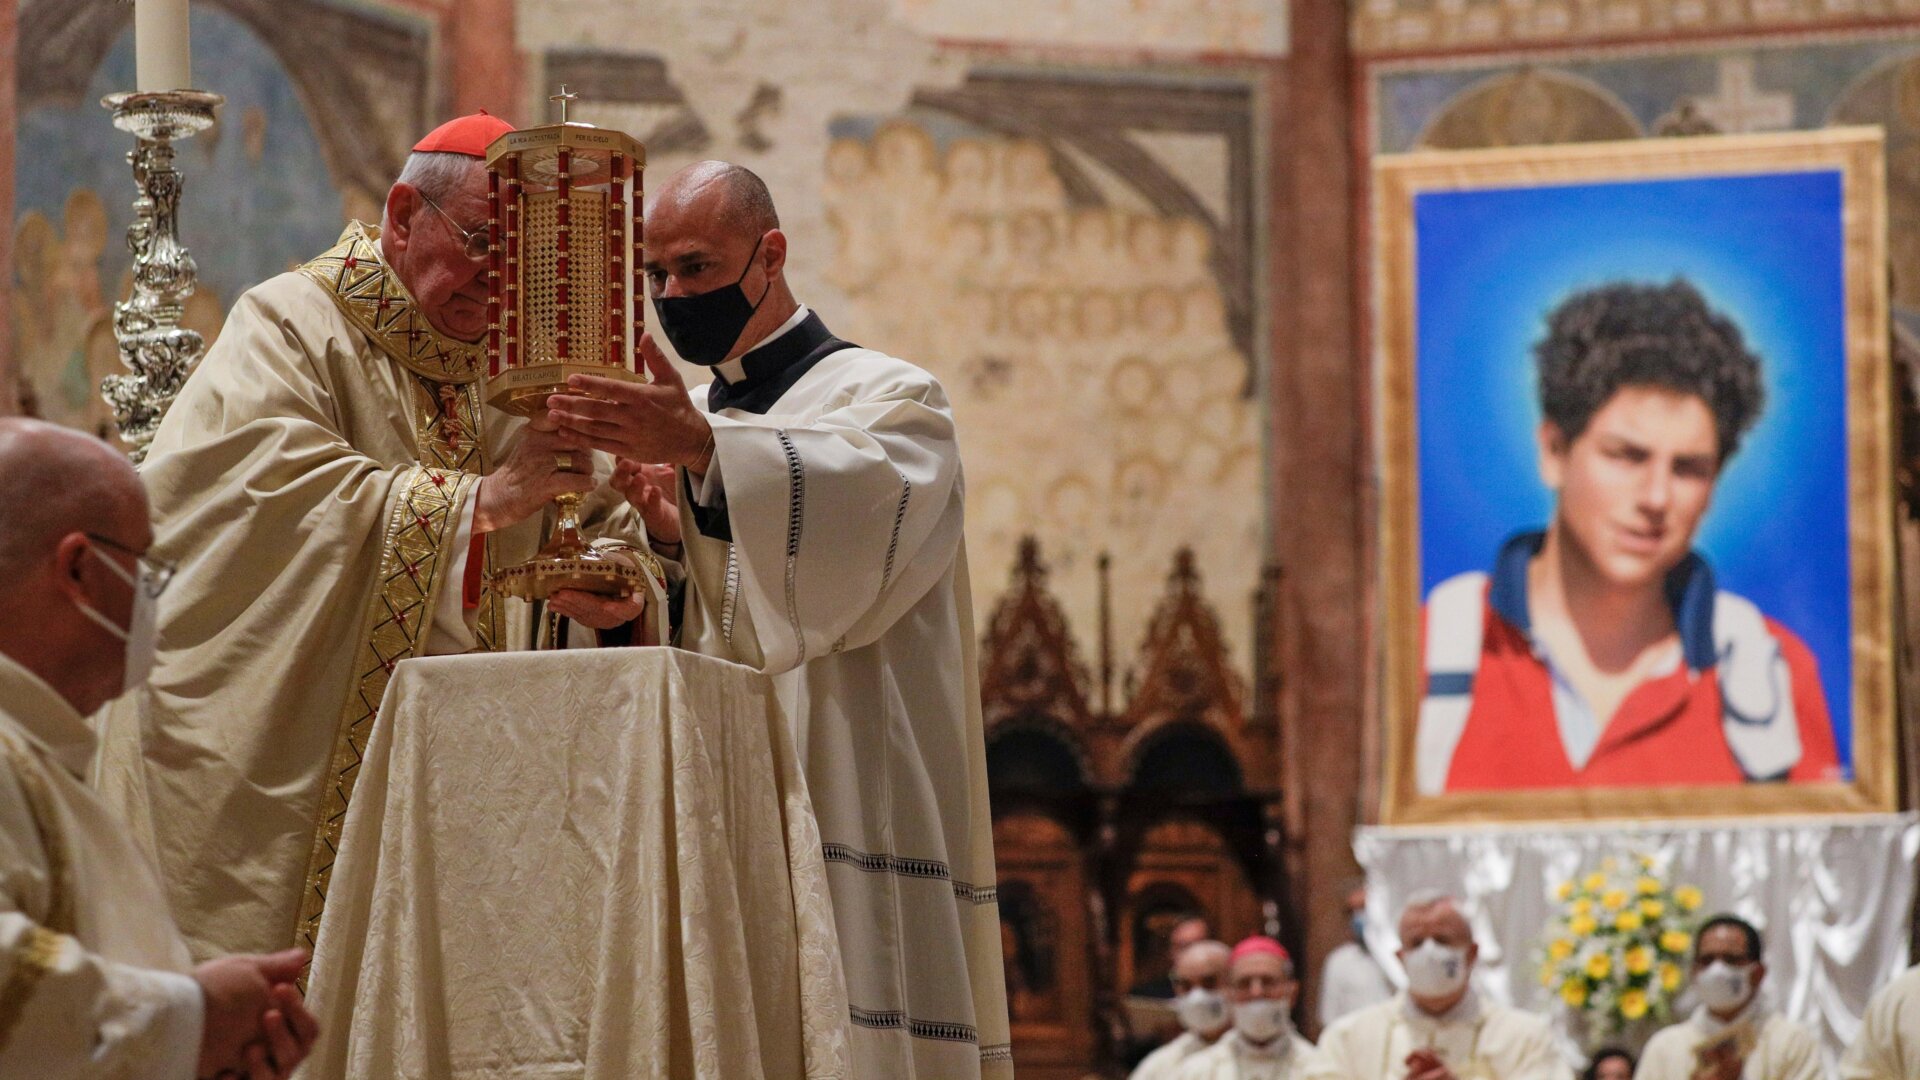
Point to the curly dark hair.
(1624, 334)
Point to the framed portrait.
(1637, 531)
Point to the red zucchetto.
(469, 135)
(1260, 943)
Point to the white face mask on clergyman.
(1201, 1011)
(1435, 970)
(141, 633)
(1262, 1020)
(1724, 987)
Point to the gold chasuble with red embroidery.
(311, 483)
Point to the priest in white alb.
(1733, 1034)
(1200, 1002)
(94, 979)
(1888, 1045)
(820, 502)
(1439, 1028)
(334, 490)
(1262, 1044)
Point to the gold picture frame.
(1857, 156)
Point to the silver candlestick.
(153, 344)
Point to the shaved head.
(55, 481)
(724, 192)
(1435, 911)
(1202, 959)
(712, 226)
(73, 519)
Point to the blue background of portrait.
(1765, 250)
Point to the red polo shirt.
(1668, 731)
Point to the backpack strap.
(1756, 690)
(1456, 626)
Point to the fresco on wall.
(1792, 85)
(1094, 330)
(258, 200)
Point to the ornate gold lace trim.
(374, 300)
(411, 575)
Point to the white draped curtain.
(1831, 896)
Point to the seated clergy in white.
(95, 980)
(1439, 1028)
(821, 504)
(1262, 1044)
(1888, 1045)
(1199, 976)
(1732, 1035)
(1351, 978)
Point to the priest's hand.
(1424, 1064)
(604, 612)
(540, 465)
(655, 423)
(651, 490)
(596, 611)
(289, 1037)
(238, 992)
(1724, 1063)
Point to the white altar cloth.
(580, 865)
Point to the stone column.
(483, 41)
(1320, 465)
(9, 126)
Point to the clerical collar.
(735, 370)
(774, 366)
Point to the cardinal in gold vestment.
(333, 491)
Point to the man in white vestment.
(1439, 1028)
(820, 504)
(94, 979)
(1262, 1044)
(1888, 1045)
(1351, 979)
(1199, 979)
(1732, 1034)
(334, 490)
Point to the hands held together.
(1425, 1064)
(256, 1027)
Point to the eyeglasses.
(155, 575)
(478, 245)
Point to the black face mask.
(704, 328)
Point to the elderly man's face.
(1261, 975)
(1435, 922)
(1205, 968)
(449, 286)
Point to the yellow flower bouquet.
(1617, 951)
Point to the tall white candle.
(162, 57)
